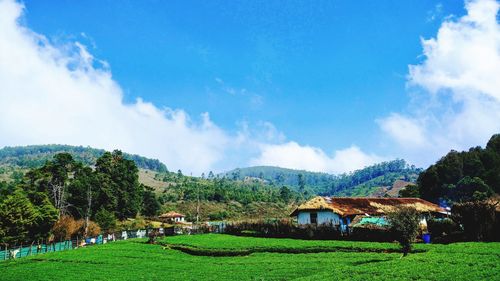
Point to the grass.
(134, 260)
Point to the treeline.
(36, 206)
(472, 175)
(357, 183)
(221, 198)
(222, 189)
(34, 156)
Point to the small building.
(172, 217)
(341, 211)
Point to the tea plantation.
(224, 257)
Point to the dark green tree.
(120, 180)
(150, 204)
(302, 183)
(106, 220)
(21, 221)
(409, 191)
(285, 194)
(470, 189)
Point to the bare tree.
(59, 196)
(88, 211)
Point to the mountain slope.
(364, 182)
(36, 155)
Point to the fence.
(43, 246)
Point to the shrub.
(153, 235)
(218, 216)
(65, 228)
(92, 229)
(106, 220)
(405, 222)
(283, 229)
(133, 224)
(440, 227)
(478, 219)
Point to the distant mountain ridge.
(32, 156)
(375, 180)
(363, 182)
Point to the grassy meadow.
(266, 259)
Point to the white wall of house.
(324, 217)
(179, 219)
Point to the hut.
(340, 211)
(172, 217)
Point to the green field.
(266, 259)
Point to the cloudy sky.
(211, 85)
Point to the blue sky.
(325, 74)
(320, 71)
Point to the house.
(342, 210)
(173, 217)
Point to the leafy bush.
(284, 228)
(479, 220)
(106, 220)
(440, 227)
(405, 222)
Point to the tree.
(119, 179)
(470, 189)
(150, 205)
(285, 194)
(18, 216)
(404, 222)
(458, 175)
(409, 191)
(302, 183)
(47, 215)
(106, 220)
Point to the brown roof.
(347, 206)
(171, 214)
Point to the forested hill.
(358, 183)
(463, 176)
(36, 155)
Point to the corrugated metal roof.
(346, 206)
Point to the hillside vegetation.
(34, 156)
(363, 182)
(463, 176)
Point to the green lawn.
(134, 260)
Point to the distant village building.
(341, 211)
(173, 217)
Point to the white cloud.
(61, 94)
(406, 131)
(53, 94)
(292, 155)
(459, 102)
(435, 13)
